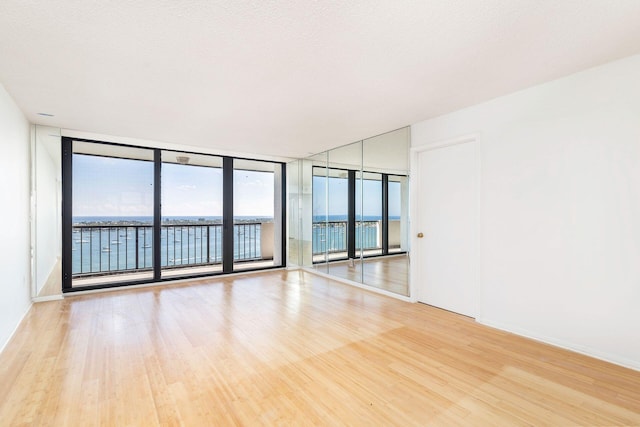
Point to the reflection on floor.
(53, 284)
(390, 273)
(331, 256)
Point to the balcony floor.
(166, 273)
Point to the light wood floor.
(53, 284)
(291, 348)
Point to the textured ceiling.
(288, 78)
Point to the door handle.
(420, 235)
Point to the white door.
(447, 218)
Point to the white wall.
(560, 209)
(14, 195)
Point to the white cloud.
(186, 187)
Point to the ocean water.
(106, 244)
(136, 220)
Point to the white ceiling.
(289, 77)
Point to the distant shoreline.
(194, 220)
(137, 221)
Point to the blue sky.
(105, 186)
(371, 206)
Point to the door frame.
(415, 227)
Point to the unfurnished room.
(407, 213)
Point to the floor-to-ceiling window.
(136, 215)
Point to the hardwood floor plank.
(291, 348)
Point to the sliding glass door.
(137, 215)
(112, 214)
(192, 200)
(257, 214)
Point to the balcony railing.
(331, 236)
(107, 249)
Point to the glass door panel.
(112, 232)
(191, 214)
(257, 214)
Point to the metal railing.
(107, 249)
(331, 236)
(190, 245)
(247, 241)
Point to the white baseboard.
(4, 345)
(357, 284)
(47, 298)
(587, 351)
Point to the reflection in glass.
(343, 162)
(47, 226)
(306, 207)
(320, 216)
(362, 188)
(294, 206)
(398, 213)
(369, 227)
(330, 229)
(385, 157)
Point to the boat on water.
(106, 249)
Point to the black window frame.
(227, 217)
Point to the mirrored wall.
(351, 208)
(46, 196)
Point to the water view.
(107, 244)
